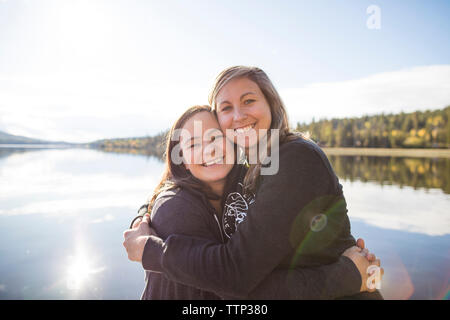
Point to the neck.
(217, 187)
(252, 154)
(252, 151)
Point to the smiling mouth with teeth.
(213, 162)
(245, 129)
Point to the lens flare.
(80, 269)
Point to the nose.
(239, 114)
(214, 148)
(209, 151)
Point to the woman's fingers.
(146, 218)
(136, 223)
(365, 252)
(376, 262)
(370, 256)
(360, 243)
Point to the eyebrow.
(243, 95)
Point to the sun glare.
(80, 270)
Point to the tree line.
(420, 129)
(151, 146)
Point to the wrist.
(353, 274)
(152, 254)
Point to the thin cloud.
(407, 90)
(76, 108)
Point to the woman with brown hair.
(188, 192)
(293, 219)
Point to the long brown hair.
(176, 175)
(277, 109)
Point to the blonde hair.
(277, 110)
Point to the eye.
(226, 108)
(248, 101)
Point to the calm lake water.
(63, 212)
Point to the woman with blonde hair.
(293, 218)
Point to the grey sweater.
(184, 212)
(275, 253)
(180, 212)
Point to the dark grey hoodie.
(273, 254)
(179, 211)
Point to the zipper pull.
(220, 229)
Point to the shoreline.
(388, 152)
(370, 152)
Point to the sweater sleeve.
(338, 279)
(177, 215)
(277, 224)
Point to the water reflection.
(6, 152)
(81, 267)
(74, 182)
(418, 173)
(406, 209)
(142, 152)
(63, 212)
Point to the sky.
(82, 70)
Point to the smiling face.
(243, 108)
(204, 148)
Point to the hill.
(6, 138)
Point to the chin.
(214, 176)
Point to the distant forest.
(420, 129)
(151, 146)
